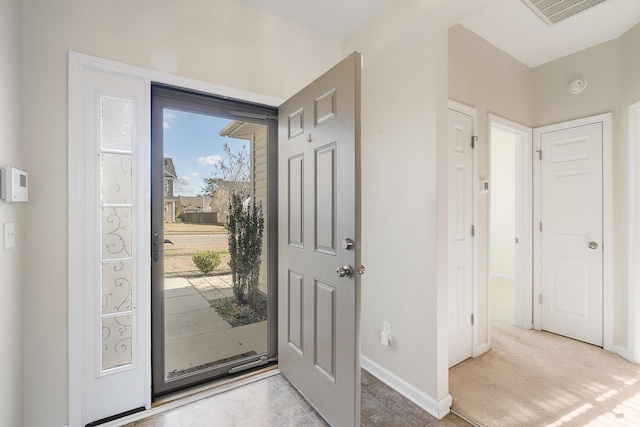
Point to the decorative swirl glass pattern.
(116, 233)
(116, 191)
(116, 287)
(116, 179)
(116, 123)
(116, 341)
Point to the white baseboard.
(481, 349)
(625, 353)
(438, 409)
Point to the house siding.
(259, 181)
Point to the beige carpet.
(532, 378)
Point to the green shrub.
(206, 261)
(246, 226)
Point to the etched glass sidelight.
(116, 123)
(116, 287)
(116, 252)
(116, 179)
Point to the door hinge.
(473, 231)
(473, 319)
(517, 241)
(540, 226)
(474, 140)
(540, 298)
(539, 154)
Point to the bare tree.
(181, 187)
(230, 177)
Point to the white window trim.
(633, 238)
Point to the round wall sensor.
(577, 86)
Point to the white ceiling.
(333, 18)
(511, 26)
(508, 24)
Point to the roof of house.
(194, 201)
(240, 130)
(169, 169)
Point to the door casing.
(523, 281)
(632, 351)
(607, 200)
(77, 63)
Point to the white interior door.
(460, 252)
(571, 214)
(109, 244)
(319, 232)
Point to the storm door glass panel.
(214, 287)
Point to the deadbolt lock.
(347, 244)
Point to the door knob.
(345, 271)
(593, 245)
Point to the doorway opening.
(510, 262)
(213, 242)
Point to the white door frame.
(607, 215)
(77, 63)
(478, 347)
(523, 281)
(632, 352)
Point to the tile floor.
(273, 402)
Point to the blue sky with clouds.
(194, 143)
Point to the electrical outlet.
(385, 335)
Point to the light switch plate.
(9, 235)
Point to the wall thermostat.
(13, 185)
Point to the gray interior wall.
(491, 81)
(539, 97)
(403, 108)
(12, 283)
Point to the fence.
(200, 217)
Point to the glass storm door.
(209, 319)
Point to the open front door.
(319, 242)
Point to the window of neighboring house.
(166, 187)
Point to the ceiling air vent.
(554, 11)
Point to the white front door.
(571, 216)
(460, 252)
(109, 243)
(319, 233)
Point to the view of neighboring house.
(169, 199)
(222, 196)
(194, 204)
(197, 209)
